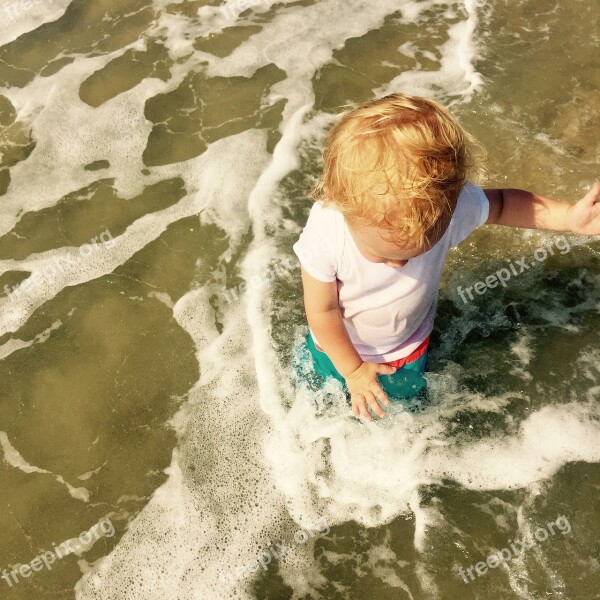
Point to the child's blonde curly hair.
(398, 163)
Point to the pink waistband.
(400, 362)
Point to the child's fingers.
(374, 405)
(362, 406)
(386, 369)
(378, 391)
(592, 196)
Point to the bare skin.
(508, 207)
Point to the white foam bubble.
(217, 517)
(372, 473)
(522, 349)
(200, 527)
(19, 17)
(456, 76)
(546, 440)
(234, 503)
(70, 134)
(210, 189)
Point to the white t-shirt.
(387, 311)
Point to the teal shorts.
(404, 384)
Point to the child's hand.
(364, 389)
(584, 217)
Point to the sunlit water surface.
(146, 376)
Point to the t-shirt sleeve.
(315, 247)
(472, 210)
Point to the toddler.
(394, 197)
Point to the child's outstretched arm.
(324, 316)
(518, 208)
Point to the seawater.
(134, 388)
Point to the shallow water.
(146, 376)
